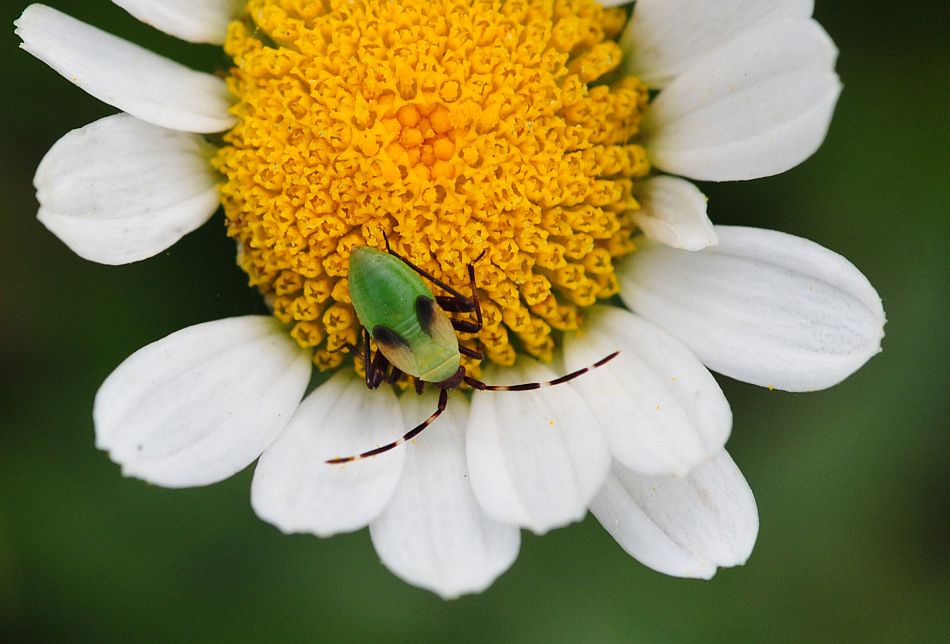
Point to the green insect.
(414, 335)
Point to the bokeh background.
(852, 483)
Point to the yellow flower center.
(450, 126)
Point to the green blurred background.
(851, 483)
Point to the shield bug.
(414, 335)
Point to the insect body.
(414, 335)
(400, 312)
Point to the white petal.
(191, 20)
(686, 527)
(661, 410)
(202, 403)
(536, 457)
(664, 37)
(673, 212)
(124, 75)
(120, 190)
(298, 491)
(757, 106)
(614, 3)
(433, 534)
(762, 306)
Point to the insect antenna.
(528, 386)
(408, 436)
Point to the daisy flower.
(557, 137)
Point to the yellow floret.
(451, 127)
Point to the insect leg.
(408, 436)
(478, 307)
(465, 327)
(452, 304)
(471, 353)
(377, 370)
(375, 365)
(366, 361)
(527, 386)
(456, 304)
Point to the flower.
(451, 128)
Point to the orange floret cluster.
(451, 127)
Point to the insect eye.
(425, 312)
(386, 337)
